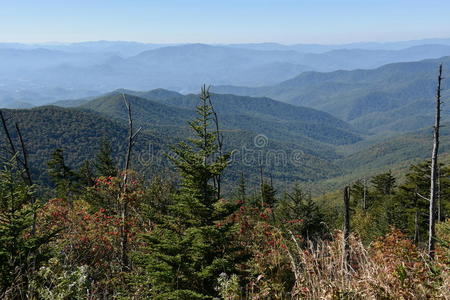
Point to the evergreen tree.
(191, 247)
(301, 214)
(384, 184)
(20, 250)
(242, 189)
(360, 194)
(104, 163)
(268, 195)
(409, 208)
(86, 174)
(61, 175)
(369, 206)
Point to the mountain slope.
(147, 113)
(269, 116)
(286, 130)
(380, 100)
(260, 115)
(76, 131)
(79, 132)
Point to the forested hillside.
(78, 133)
(329, 147)
(298, 142)
(392, 98)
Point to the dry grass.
(391, 268)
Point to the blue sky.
(223, 21)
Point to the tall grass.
(390, 268)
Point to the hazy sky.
(223, 21)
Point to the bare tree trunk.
(434, 170)
(27, 171)
(346, 232)
(261, 183)
(204, 97)
(416, 218)
(26, 166)
(438, 217)
(123, 194)
(23, 163)
(218, 178)
(8, 135)
(364, 194)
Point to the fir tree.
(242, 190)
(86, 174)
(20, 251)
(360, 194)
(104, 163)
(409, 208)
(61, 175)
(300, 214)
(384, 184)
(188, 251)
(268, 195)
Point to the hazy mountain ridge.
(34, 75)
(374, 100)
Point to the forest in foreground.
(107, 232)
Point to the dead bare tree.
(346, 231)
(25, 164)
(217, 179)
(438, 214)
(261, 184)
(434, 170)
(123, 194)
(364, 193)
(21, 159)
(416, 219)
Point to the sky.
(223, 21)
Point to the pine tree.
(20, 252)
(384, 184)
(86, 174)
(188, 251)
(408, 209)
(360, 194)
(104, 163)
(268, 195)
(242, 189)
(301, 214)
(62, 176)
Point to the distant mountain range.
(392, 98)
(127, 48)
(43, 73)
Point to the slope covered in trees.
(328, 149)
(79, 133)
(392, 98)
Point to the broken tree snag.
(123, 194)
(218, 178)
(434, 170)
(346, 232)
(26, 165)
